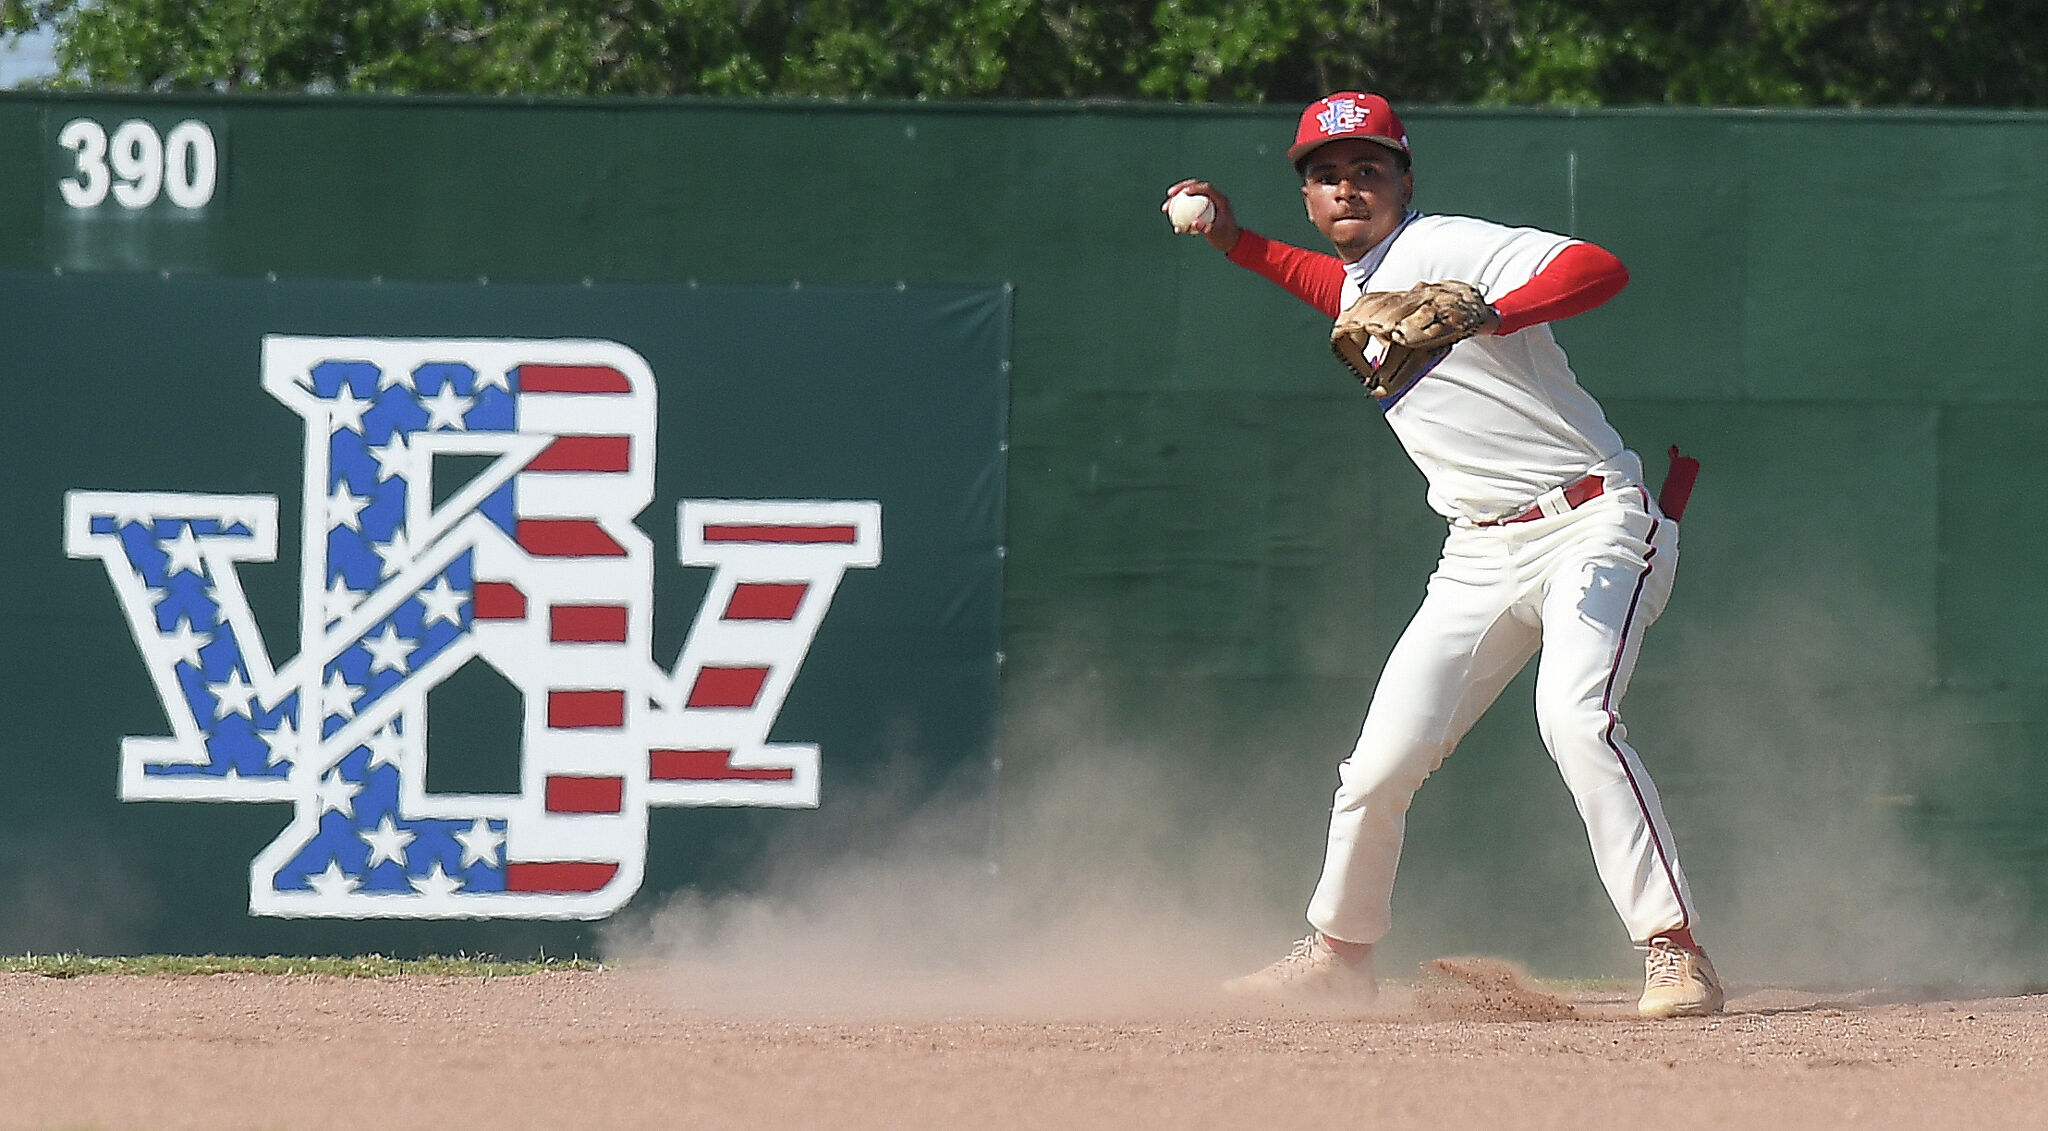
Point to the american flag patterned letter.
(532, 565)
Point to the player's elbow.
(1613, 273)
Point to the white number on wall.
(85, 138)
(189, 165)
(137, 164)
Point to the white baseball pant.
(1583, 585)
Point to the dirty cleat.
(1312, 971)
(1678, 982)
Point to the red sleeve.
(1313, 277)
(1576, 280)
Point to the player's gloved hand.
(1389, 339)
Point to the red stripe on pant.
(1614, 720)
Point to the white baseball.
(1187, 209)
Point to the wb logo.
(531, 565)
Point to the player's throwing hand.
(1221, 230)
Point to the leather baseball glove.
(1416, 328)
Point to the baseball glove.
(1417, 327)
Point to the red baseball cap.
(1348, 113)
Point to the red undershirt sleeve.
(1576, 280)
(1313, 277)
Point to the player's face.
(1356, 192)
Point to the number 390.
(137, 165)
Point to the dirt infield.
(640, 1048)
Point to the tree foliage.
(1585, 52)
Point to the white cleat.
(1678, 982)
(1312, 971)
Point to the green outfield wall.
(1132, 516)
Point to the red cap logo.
(1347, 114)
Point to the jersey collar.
(1361, 270)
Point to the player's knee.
(1386, 774)
(1565, 721)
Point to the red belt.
(1575, 495)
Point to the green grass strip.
(363, 966)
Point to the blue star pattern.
(244, 737)
(361, 833)
(247, 719)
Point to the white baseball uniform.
(1500, 429)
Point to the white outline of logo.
(533, 566)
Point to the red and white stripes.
(564, 606)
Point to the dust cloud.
(1093, 882)
(1099, 879)
(1834, 821)
(71, 894)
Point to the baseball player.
(1553, 542)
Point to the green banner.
(408, 617)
